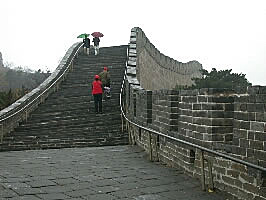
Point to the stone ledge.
(132, 80)
(131, 70)
(132, 63)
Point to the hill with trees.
(18, 81)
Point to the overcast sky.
(225, 34)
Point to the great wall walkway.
(54, 146)
(97, 173)
(63, 150)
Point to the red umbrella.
(97, 34)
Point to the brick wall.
(232, 122)
(214, 118)
(206, 116)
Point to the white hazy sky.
(225, 34)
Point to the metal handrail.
(185, 142)
(23, 108)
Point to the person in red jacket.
(97, 93)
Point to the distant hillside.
(1, 61)
(17, 78)
(16, 82)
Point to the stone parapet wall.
(219, 119)
(156, 71)
(250, 126)
(206, 116)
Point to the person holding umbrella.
(86, 42)
(96, 41)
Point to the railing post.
(2, 132)
(129, 135)
(156, 147)
(150, 147)
(122, 121)
(202, 170)
(26, 116)
(210, 175)
(72, 65)
(133, 138)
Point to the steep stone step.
(65, 143)
(56, 116)
(63, 120)
(68, 123)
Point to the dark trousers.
(98, 102)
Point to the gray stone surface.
(120, 172)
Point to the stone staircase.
(67, 118)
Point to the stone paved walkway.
(106, 173)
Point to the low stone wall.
(222, 120)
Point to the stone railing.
(148, 61)
(20, 110)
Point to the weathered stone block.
(173, 98)
(173, 103)
(206, 121)
(240, 168)
(260, 117)
(260, 154)
(241, 116)
(253, 90)
(262, 191)
(245, 125)
(244, 194)
(256, 145)
(251, 107)
(251, 135)
(196, 106)
(239, 151)
(202, 98)
(259, 107)
(212, 106)
(243, 107)
(236, 141)
(240, 133)
(251, 99)
(216, 114)
(221, 122)
(262, 90)
(189, 99)
(251, 116)
(222, 99)
(244, 143)
(257, 126)
(222, 129)
(233, 173)
(196, 113)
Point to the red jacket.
(97, 87)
